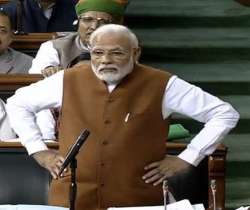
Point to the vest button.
(102, 164)
(105, 143)
(110, 100)
(107, 121)
(102, 184)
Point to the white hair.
(115, 28)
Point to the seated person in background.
(63, 52)
(11, 61)
(126, 106)
(42, 15)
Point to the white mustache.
(110, 66)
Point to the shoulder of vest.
(153, 70)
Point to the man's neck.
(111, 87)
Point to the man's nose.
(94, 25)
(106, 59)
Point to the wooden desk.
(216, 171)
(22, 180)
(31, 41)
(18, 145)
(4, 1)
(214, 168)
(244, 2)
(11, 82)
(215, 163)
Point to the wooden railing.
(4, 1)
(215, 165)
(9, 83)
(31, 41)
(216, 171)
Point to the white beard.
(112, 73)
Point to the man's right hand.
(51, 160)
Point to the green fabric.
(177, 131)
(108, 6)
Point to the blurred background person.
(32, 16)
(6, 131)
(11, 61)
(64, 52)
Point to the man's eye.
(97, 52)
(86, 19)
(104, 22)
(117, 53)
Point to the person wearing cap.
(61, 53)
(39, 16)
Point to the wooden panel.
(244, 2)
(17, 145)
(31, 41)
(11, 82)
(216, 167)
(216, 171)
(3, 1)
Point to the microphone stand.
(73, 185)
(71, 159)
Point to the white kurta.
(179, 97)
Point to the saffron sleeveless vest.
(127, 133)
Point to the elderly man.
(126, 106)
(11, 61)
(64, 52)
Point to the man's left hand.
(157, 172)
(48, 71)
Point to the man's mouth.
(108, 70)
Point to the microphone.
(74, 149)
(165, 193)
(213, 189)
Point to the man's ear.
(137, 54)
